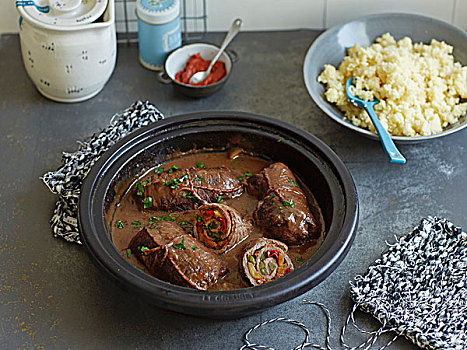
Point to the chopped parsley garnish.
(119, 224)
(153, 219)
(240, 178)
(159, 170)
(199, 218)
(139, 187)
(200, 165)
(180, 245)
(293, 182)
(279, 140)
(189, 195)
(219, 199)
(248, 173)
(198, 178)
(143, 249)
(280, 208)
(290, 211)
(147, 202)
(128, 252)
(194, 248)
(173, 168)
(175, 182)
(271, 196)
(136, 223)
(185, 223)
(300, 259)
(289, 203)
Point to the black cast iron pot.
(308, 157)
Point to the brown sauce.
(129, 213)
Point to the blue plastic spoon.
(389, 147)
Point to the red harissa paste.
(195, 64)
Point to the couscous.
(419, 86)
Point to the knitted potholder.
(67, 180)
(419, 286)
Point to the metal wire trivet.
(193, 20)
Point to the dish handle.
(164, 78)
(233, 55)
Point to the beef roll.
(174, 256)
(220, 227)
(182, 189)
(266, 261)
(283, 210)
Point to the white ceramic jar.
(67, 58)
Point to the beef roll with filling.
(220, 227)
(183, 189)
(173, 256)
(266, 261)
(283, 209)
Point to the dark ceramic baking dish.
(308, 157)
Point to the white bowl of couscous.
(414, 65)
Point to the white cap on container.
(157, 11)
(63, 12)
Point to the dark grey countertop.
(53, 297)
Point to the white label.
(172, 39)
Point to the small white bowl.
(177, 60)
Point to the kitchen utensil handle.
(389, 147)
(164, 78)
(236, 25)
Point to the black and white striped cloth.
(67, 180)
(418, 287)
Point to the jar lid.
(157, 11)
(63, 12)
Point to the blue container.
(159, 31)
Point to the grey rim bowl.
(314, 163)
(330, 48)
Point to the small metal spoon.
(200, 76)
(389, 147)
